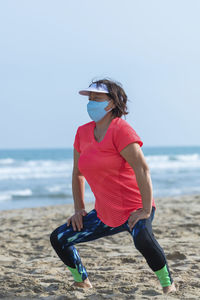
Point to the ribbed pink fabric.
(110, 177)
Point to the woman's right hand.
(77, 219)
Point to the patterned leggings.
(64, 238)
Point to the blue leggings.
(64, 238)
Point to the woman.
(107, 153)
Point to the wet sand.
(29, 267)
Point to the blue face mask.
(96, 110)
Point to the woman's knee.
(59, 237)
(54, 239)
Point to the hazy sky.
(49, 50)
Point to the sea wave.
(55, 188)
(6, 161)
(166, 162)
(5, 197)
(34, 169)
(11, 169)
(27, 193)
(10, 194)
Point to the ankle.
(86, 284)
(169, 289)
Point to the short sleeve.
(77, 141)
(126, 135)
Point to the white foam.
(6, 161)
(192, 157)
(55, 188)
(36, 169)
(8, 195)
(5, 197)
(189, 161)
(24, 193)
(41, 169)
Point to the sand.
(29, 267)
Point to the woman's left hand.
(137, 215)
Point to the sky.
(49, 50)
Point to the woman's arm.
(78, 189)
(135, 157)
(78, 184)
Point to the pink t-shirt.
(109, 175)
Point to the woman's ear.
(110, 105)
(113, 104)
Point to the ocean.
(40, 177)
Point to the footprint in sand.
(128, 260)
(151, 293)
(176, 255)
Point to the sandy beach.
(29, 267)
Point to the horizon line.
(71, 148)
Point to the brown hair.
(117, 94)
